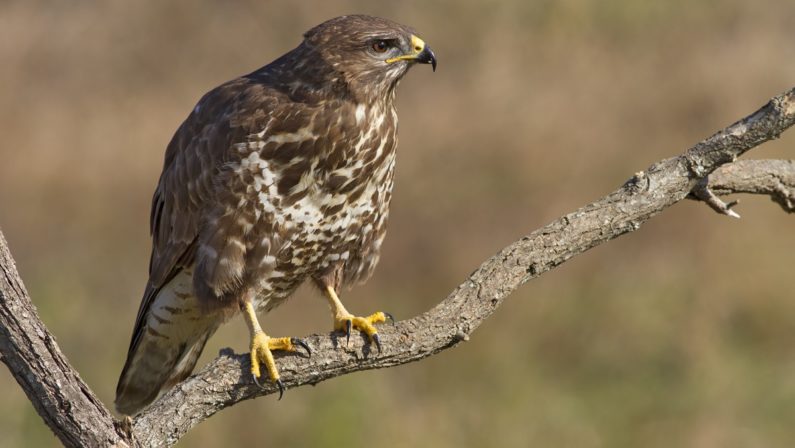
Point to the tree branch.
(768, 177)
(69, 407)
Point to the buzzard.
(278, 176)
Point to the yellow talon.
(262, 346)
(363, 324)
(261, 351)
(346, 322)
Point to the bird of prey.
(276, 177)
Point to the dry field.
(681, 334)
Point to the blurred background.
(680, 334)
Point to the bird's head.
(371, 54)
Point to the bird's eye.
(380, 46)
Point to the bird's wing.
(171, 326)
(202, 225)
(187, 190)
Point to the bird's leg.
(262, 345)
(345, 321)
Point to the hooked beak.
(420, 52)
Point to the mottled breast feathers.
(234, 192)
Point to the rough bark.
(68, 406)
(769, 177)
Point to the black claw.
(302, 344)
(390, 317)
(348, 325)
(281, 388)
(377, 341)
(256, 381)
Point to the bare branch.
(704, 193)
(68, 406)
(775, 178)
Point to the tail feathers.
(185, 366)
(154, 367)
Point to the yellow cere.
(417, 45)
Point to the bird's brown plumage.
(277, 176)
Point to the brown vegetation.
(676, 335)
